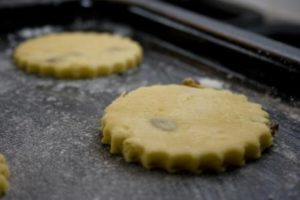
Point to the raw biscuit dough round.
(78, 54)
(178, 127)
(4, 173)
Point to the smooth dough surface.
(78, 54)
(177, 127)
(4, 173)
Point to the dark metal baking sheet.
(49, 129)
(224, 11)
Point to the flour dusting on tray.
(32, 32)
(212, 83)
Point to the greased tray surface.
(49, 131)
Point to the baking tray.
(49, 128)
(288, 33)
(224, 11)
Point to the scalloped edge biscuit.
(146, 126)
(78, 54)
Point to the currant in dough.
(78, 54)
(183, 127)
(4, 173)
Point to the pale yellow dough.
(78, 54)
(177, 127)
(4, 173)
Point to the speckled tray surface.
(49, 132)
